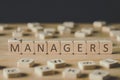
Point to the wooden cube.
(25, 62)
(114, 33)
(53, 47)
(99, 75)
(11, 72)
(14, 45)
(99, 24)
(66, 47)
(41, 47)
(56, 63)
(80, 47)
(106, 29)
(93, 47)
(79, 34)
(105, 47)
(49, 30)
(43, 35)
(109, 63)
(87, 65)
(17, 34)
(87, 30)
(27, 47)
(71, 73)
(118, 38)
(43, 71)
(69, 24)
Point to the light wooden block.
(114, 33)
(109, 63)
(87, 30)
(60, 27)
(14, 45)
(106, 29)
(41, 47)
(99, 24)
(65, 32)
(34, 24)
(118, 38)
(66, 47)
(93, 47)
(71, 73)
(11, 73)
(2, 27)
(56, 63)
(17, 34)
(53, 47)
(43, 71)
(43, 35)
(27, 47)
(79, 34)
(69, 24)
(49, 30)
(37, 29)
(87, 65)
(25, 62)
(80, 47)
(105, 47)
(99, 75)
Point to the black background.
(59, 10)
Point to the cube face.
(69, 24)
(71, 73)
(27, 47)
(92, 47)
(80, 47)
(11, 72)
(43, 70)
(99, 24)
(109, 63)
(66, 47)
(99, 75)
(87, 30)
(79, 34)
(53, 47)
(105, 47)
(41, 47)
(25, 62)
(56, 63)
(14, 45)
(86, 65)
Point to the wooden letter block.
(86, 65)
(49, 30)
(79, 34)
(56, 63)
(41, 47)
(27, 47)
(43, 35)
(92, 47)
(109, 63)
(25, 62)
(71, 73)
(105, 47)
(99, 75)
(69, 24)
(11, 72)
(66, 47)
(53, 47)
(14, 45)
(43, 71)
(99, 24)
(80, 47)
(87, 30)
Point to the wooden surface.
(10, 60)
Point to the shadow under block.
(14, 45)
(99, 75)
(56, 63)
(25, 62)
(43, 71)
(80, 47)
(41, 47)
(11, 72)
(53, 47)
(71, 73)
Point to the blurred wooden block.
(37, 29)
(27, 47)
(109, 63)
(32, 25)
(17, 34)
(43, 35)
(11, 73)
(41, 47)
(53, 47)
(66, 47)
(118, 38)
(99, 24)
(14, 45)
(43, 71)
(25, 62)
(92, 47)
(49, 30)
(79, 34)
(56, 63)
(86, 65)
(105, 47)
(87, 30)
(69, 24)
(99, 75)
(80, 47)
(65, 32)
(106, 29)
(114, 33)
(71, 73)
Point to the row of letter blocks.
(60, 47)
(71, 73)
